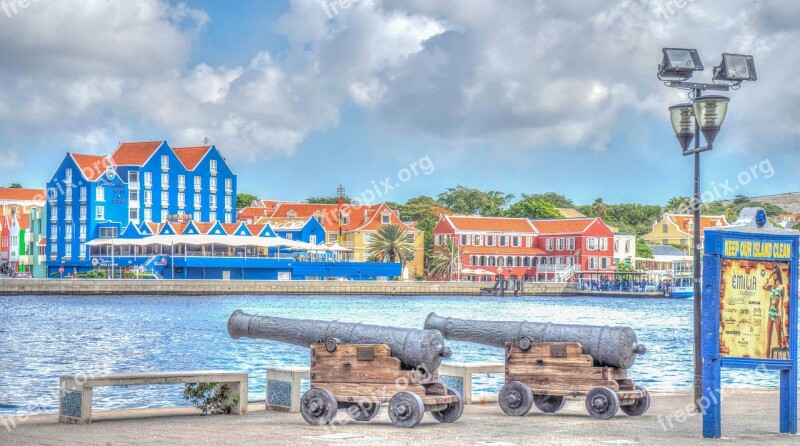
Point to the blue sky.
(521, 97)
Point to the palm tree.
(446, 259)
(389, 245)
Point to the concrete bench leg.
(75, 403)
(239, 388)
(457, 378)
(283, 389)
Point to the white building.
(624, 249)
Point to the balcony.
(68, 218)
(83, 199)
(213, 172)
(148, 203)
(148, 184)
(83, 218)
(68, 199)
(228, 207)
(133, 185)
(212, 189)
(181, 206)
(133, 204)
(181, 187)
(213, 207)
(165, 167)
(53, 218)
(82, 237)
(68, 238)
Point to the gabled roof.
(190, 229)
(24, 221)
(135, 153)
(190, 157)
(130, 231)
(92, 167)
(42, 241)
(682, 221)
(490, 224)
(145, 229)
(563, 225)
(11, 193)
(285, 224)
(374, 222)
(216, 229)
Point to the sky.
(395, 99)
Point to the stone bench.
(283, 383)
(458, 375)
(283, 388)
(75, 391)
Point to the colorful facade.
(624, 249)
(21, 200)
(574, 245)
(678, 229)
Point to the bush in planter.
(210, 399)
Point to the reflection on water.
(43, 337)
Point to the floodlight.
(710, 112)
(735, 67)
(679, 62)
(682, 117)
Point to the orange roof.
(253, 213)
(42, 241)
(682, 221)
(135, 153)
(375, 221)
(203, 227)
(230, 228)
(92, 166)
(24, 221)
(490, 224)
(563, 225)
(11, 193)
(190, 157)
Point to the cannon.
(546, 363)
(357, 367)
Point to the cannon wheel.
(453, 411)
(406, 409)
(602, 403)
(363, 411)
(549, 404)
(640, 406)
(515, 398)
(318, 406)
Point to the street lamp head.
(710, 113)
(682, 117)
(680, 63)
(735, 68)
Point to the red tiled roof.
(135, 153)
(230, 228)
(92, 166)
(375, 221)
(42, 241)
(24, 221)
(706, 221)
(562, 225)
(190, 157)
(203, 227)
(11, 193)
(492, 224)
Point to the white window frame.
(548, 244)
(560, 244)
(100, 213)
(164, 162)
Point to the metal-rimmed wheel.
(515, 398)
(453, 411)
(363, 411)
(640, 406)
(602, 403)
(406, 409)
(549, 403)
(318, 406)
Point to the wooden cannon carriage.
(361, 377)
(545, 374)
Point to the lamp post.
(704, 114)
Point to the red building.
(541, 250)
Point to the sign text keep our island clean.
(752, 249)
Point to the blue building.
(93, 196)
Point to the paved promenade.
(750, 417)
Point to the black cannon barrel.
(415, 348)
(609, 346)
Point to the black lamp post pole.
(698, 359)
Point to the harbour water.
(43, 337)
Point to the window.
(346, 220)
(464, 240)
(289, 236)
(83, 212)
(592, 263)
(502, 240)
(164, 164)
(515, 240)
(212, 216)
(410, 238)
(196, 216)
(53, 214)
(603, 244)
(604, 263)
(317, 217)
(148, 198)
(549, 244)
(181, 200)
(616, 245)
(197, 200)
(213, 165)
(148, 215)
(591, 244)
(312, 239)
(229, 202)
(68, 213)
(627, 246)
(108, 232)
(100, 213)
(476, 240)
(560, 244)
(228, 185)
(133, 178)
(528, 242)
(133, 195)
(100, 194)
(68, 194)
(148, 180)
(367, 239)
(165, 181)
(83, 193)
(228, 217)
(164, 215)
(68, 250)
(198, 183)
(68, 176)
(68, 232)
(53, 232)
(133, 214)
(571, 243)
(82, 252)
(665, 228)
(489, 240)
(164, 198)
(333, 237)
(182, 181)
(385, 219)
(212, 201)
(82, 232)
(212, 184)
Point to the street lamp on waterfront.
(704, 114)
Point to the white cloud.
(10, 160)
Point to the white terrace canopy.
(196, 240)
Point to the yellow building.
(678, 229)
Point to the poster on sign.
(754, 309)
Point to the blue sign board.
(749, 311)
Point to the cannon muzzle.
(609, 346)
(415, 348)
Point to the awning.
(223, 240)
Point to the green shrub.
(210, 399)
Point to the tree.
(245, 200)
(532, 208)
(599, 207)
(15, 186)
(328, 200)
(446, 260)
(557, 200)
(425, 211)
(389, 245)
(643, 250)
(468, 201)
(678, 205)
